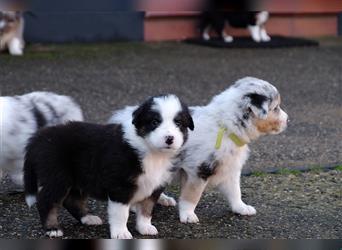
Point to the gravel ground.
(105, 77)
(306, 205)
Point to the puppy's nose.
(169, 139)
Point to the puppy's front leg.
(144, 213)
(231, 190)
(264, 36)
(144, 216)
(117, 217)
(15, 47)
(191, 192)
(254, 30)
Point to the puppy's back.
(90, 156)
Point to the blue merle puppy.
(21, 117)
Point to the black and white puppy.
(127, 163)
(254, 21)
(218, 148)
(12, 32)
(20, 117)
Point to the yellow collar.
(237, 140)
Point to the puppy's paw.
(167, 201)
(188, 217)
(265, 38)
(120, 233)
(147, 229)
(206, 36)
(54, 233)
(244, 209)
(91, 220)
(228, 39)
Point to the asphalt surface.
(302, 206)
(106, 77)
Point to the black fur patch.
(145, 119)
(39, 117)
(208, 168)
(257, 100)
(92, 158)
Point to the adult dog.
(126, 163)
(20, 117)
(12, 32)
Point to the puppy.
(12, 32)
(237, 14)
(126, 163)
(21, 117)
(218, 148)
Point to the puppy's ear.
(258, 104)
(188, 117)
(137, 116)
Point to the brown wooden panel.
(178, 28)
(174, 7)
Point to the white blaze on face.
(168, 107)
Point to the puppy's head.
(9, 20)
(261, 103)
(163, 122)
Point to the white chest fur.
(156, 174)
(231, 160)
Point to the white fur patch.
(54, 233)
(255, 32)
(30, 200)
(167, 201)
(244, 209)
(91, 220)
(145, 227)
(168, 107)
(186, 212)
(117, 216)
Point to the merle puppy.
(218, 148)
(12, 32)
(22, 116)
(126, 163)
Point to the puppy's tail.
(30, 183)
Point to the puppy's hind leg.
(50, 199)
(76, 204)
(166, 200)
(191, 193)
(16, 173)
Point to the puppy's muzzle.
(169, 139)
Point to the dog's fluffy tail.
(30, 183)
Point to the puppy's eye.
(178, 123)
(155, 122)
(276, 109)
